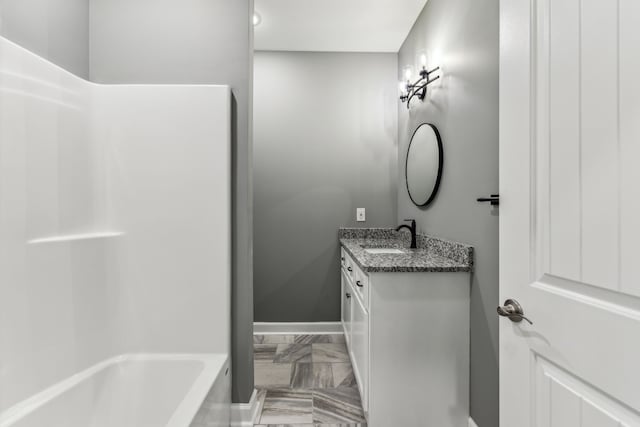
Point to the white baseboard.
(244, 414)
(472, 423)
(293, 328)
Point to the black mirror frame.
(434, 192)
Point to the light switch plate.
(361, 215)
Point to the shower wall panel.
(114, 221)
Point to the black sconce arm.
(419, 88)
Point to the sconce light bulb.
(423, 60)
(407, 74)
(257, 19)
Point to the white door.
(570, 212)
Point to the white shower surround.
(114, 222)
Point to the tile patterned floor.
(305, 381)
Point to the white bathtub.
(133, 391)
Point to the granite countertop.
(432, 255)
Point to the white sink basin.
(379, 251)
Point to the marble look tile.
(329, 353)
(310, 425)
(312, 339)
(284, 425)
(337, 405)
(285, 406)
(293, 353)
(339, 425)
(343, 375)
(272, 375)
(338, 338)
(273, 339)
(311, 375)
(261, 395)
(320, 339)
(264, 352)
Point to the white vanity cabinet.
(408, 339)
(355, 321)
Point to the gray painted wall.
(193, 41)
(57, 31)
(462, 36)
(325, 127)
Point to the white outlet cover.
(360, 215)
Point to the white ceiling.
(335, 25)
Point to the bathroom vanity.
(405, 314)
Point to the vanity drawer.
(359, 280)
(361, 285)
(349, 267)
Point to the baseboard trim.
(293, 328)
(472, 423)
(244, 414)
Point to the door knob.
(513, 310)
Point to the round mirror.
(424, 164)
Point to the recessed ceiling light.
(257, 19)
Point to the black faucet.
(411, 228)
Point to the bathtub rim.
(214, 366)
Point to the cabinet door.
(360, 348)
(362, 287)
(347, 298)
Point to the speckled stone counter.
(432, 255)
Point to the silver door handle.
(513, 310)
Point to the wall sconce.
(410, 90)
